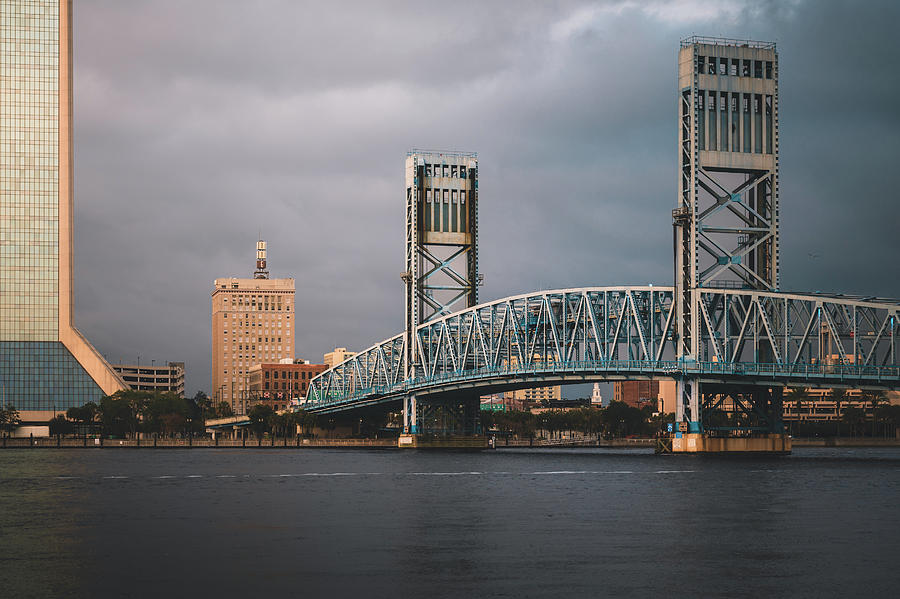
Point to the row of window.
(303, 375)
(443, 170)
(735, 67)
(286, 386)
(735, 122)
(449, 215)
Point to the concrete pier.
(452, 442)
(700, 443)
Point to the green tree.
(223, 410)
(839, 396)
(874, 399)
(166, 414)
(800, 397)
(120, 413)
(60, 425)
(261, 419)
(9, 419)
(855, 418)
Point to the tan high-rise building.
(46, 365)
(252, 323)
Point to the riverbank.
(205, 443)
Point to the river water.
(505, 523)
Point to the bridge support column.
(687, 405)
(410, 422)
(729, 418)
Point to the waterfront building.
(46, 365)
(337, 356)
(523, 399)
(658, 394)
(252, 323)
(163, 378)
(823, 405)
(280, 384)
(531, 395)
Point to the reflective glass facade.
(43, 375)
(29, 170)
(37, 370)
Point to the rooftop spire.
(261, 271)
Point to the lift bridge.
(725, 332)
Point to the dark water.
(524, 523)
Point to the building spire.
(261, 271)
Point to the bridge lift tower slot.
(441, 273)
(726, 230)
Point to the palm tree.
(874, 398)
(798, 395)
(838, 395)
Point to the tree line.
(127, 413)
(616, 420)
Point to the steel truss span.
(614, 333)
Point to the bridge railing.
(549, 374)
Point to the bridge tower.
(441, 273)
(726, 215)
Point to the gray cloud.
(200, 124)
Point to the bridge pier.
(724, 418)
(448, 422)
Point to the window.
(453, 171)
(768, 69)
(735, 67)
(462, 172)
(701, 120)
(454, 212)
(757, 124)
(723, 66)
(701, 64)
(427, 170)
(745, 68)
(445, 213)
(735, 124)
(757, 69)
(446, 171)
(723, 129)
(437, 211)
(712, 65)
(747, 133)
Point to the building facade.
(252, 323)
(46, 365)
(821, 405)
(337, 356)
(276, 385)
(658, 394)
(168, 378)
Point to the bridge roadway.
(625, 333)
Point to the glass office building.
(46, 366)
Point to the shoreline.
(203, 443)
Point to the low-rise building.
(658, 394)
(822, 405)
(277, 385)
(168, 378)
(332, 358)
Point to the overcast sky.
(201, 124)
